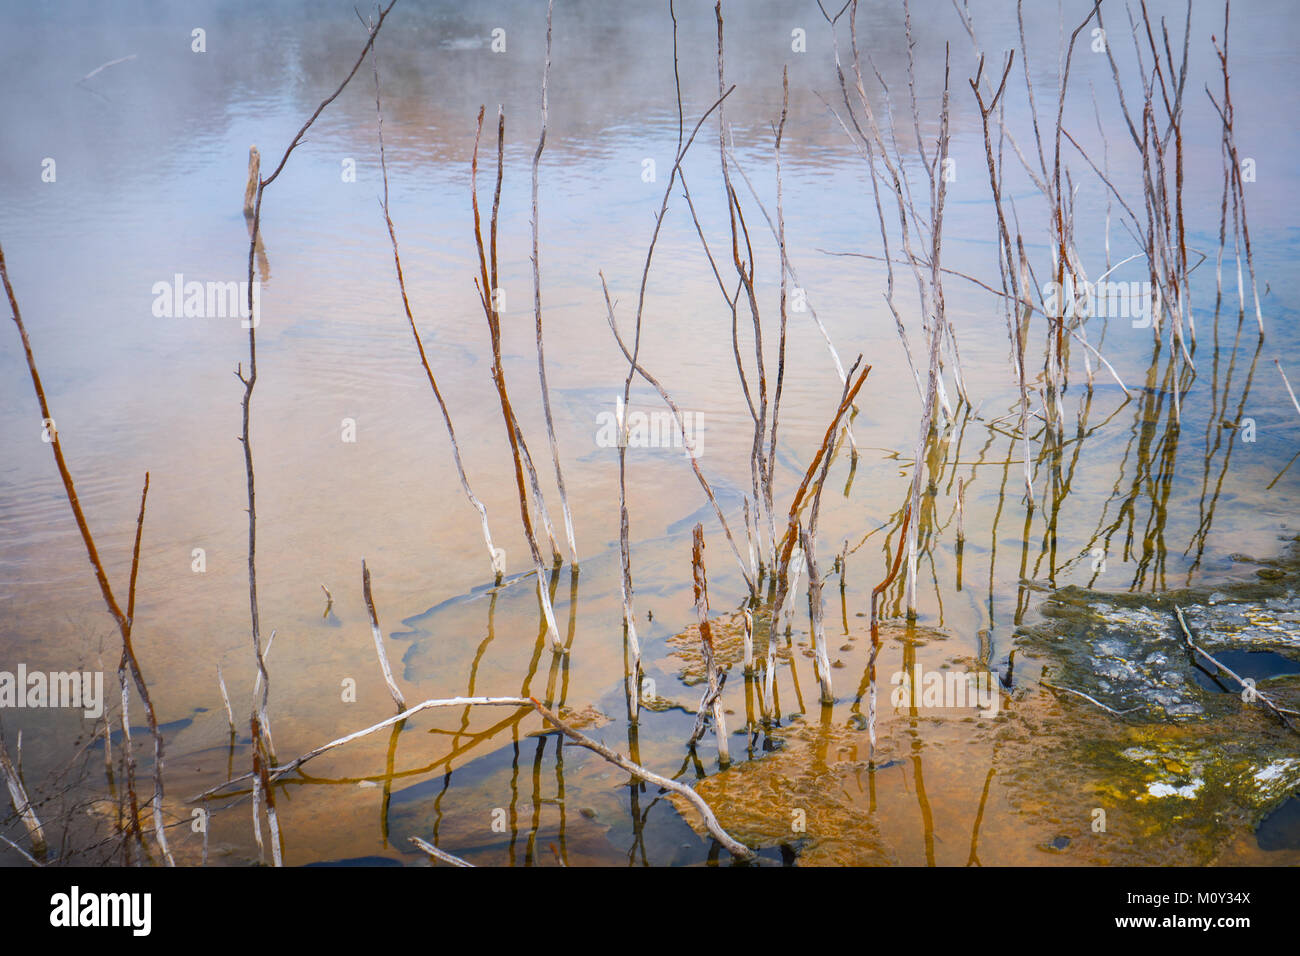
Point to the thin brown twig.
(123, 621)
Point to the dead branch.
(378, 635)
(440, 855)
(735, 847)
(537, 307)
(495, 555)
(715, 674)
(1251, 692)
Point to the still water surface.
(151, 161)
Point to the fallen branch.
(441, 855)
(736, 848)
(495, 555)
(1091, 700)
(22, 804)
(1251, 691)
(1287, 384)
(124, 620)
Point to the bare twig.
(537, 307)
(1091, 700)
(1252, 692)
(1287, 384)
(261, 742)
(734, 846)
(225, 699)
(487, 287)
(378, 635)
(441, 855)
(21, 803)
(123, 620)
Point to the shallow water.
(151, 160)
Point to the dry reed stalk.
(896, 170)
(22, 804)
(791, 537)
(768, 679)
(778, 233)
(684, 143)
(936, 343)
(880, 588)
(487, 296)
(759, 476)
(254, 177)
(1067, 271)
(128, 657)
(1092, 700)
(262, 760)
(225, 699)
(1280, 712)
(794, 568)
(259, 718)
(130, 801)
(938, 191)
(749, 538)
(488, 290)
(1287, 383)
(441, 855)
(123, 620)
(919, 469)
(780, 360)
(1017, 273)
(275, 773)
(749, 643)
(734, 846)
(929, 286)
(1225, 112)
(815, 609)
(1164, 236)
(537, 307)
(378, 635)
(715, 674)
(495, 555)
(20, 851)
(961, 507)
(257, 678)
